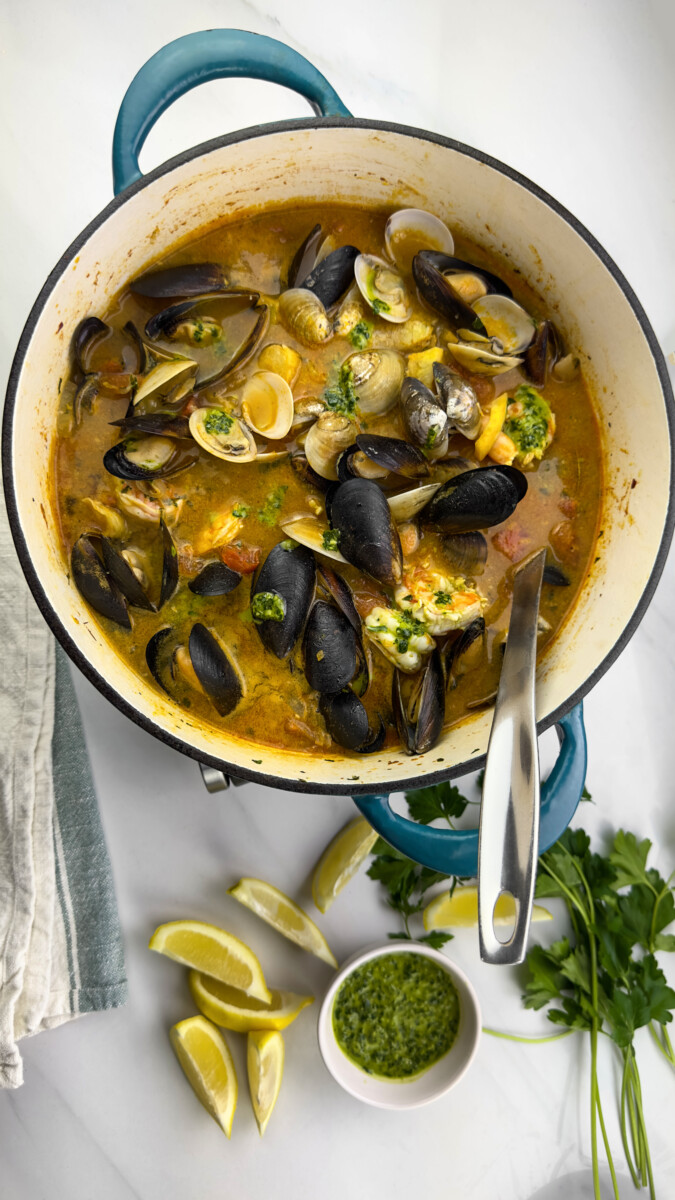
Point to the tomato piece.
(512, 542)
(240, 558)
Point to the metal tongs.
(509, 819)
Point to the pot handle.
(198, 58)
(455, 851)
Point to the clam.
(305, 258)
(162, 379)
(459, 400)
(148, 457)
(478, 358)
(325, 441)
(437, 290)
(223, 435)
(406, 505)
(472, 280)
(330, 648)
(332, 275)
(220, 332)
(383, 288)
(505, 320)
(315, 534)
(413, 229)
(377, 376)
(476, 500)
(425, 421)
(419, 718)
(192, 279)
(109, 519)
(307, 409)
(281, 359)
(368, 536)
(351, 311)
(304, 316)
(267, 404)
(94, 583)
(288, 576)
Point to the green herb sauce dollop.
(396, 1015)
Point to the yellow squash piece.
(205, 1058)
(215, 952)
(421, 365)
(271, 905)
(235, 1010)
(341, 860)
(282, 360)
(461, 908)
(493, 428)
(265, 1065)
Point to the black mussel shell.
(447, 263)
(394, 454)
(141, 348)
(169, 564)
(166, 321)
(474, 500)
(85, 396)
(343, 465)
(536, 355)
(518, 478)
(213, 364)
(376, 742)
(87, 330)
(328, 497)
(331, 277)
(94, 583)
(194, 279)
(342, 595)
(308, 474)
(218, 677)
(158, 656)
(442, 297)
(164, 424)
(467, 551)
(330, 649)
(216, 579)
(346, 718)
(555, 576)
(291, 574)
(368, 535)
(420, 721)
(119, 570)
(116, 463)
(459, 645)
(305, 258)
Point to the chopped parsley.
(379, 306)
(241, 510)
(217, 423)
(360, 335)
(530, 431)
(342, 398)
(269, 513)
(330, 539)
(267, 606)
(408, 627)
(443, 598)
(432, 434)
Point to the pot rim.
(39, 593)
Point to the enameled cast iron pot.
(334, 157)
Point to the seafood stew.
(298, 463)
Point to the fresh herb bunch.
(607, 979)
(406, 882)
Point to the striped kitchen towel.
(60, 944)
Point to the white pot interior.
(383, 168)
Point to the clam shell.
(504, 319)
(166, 376)
(304, 315)
(267, 405)
(221, 434)
(413, 229)
(482, 361)
(325, 441)
(309, 532)
(377, 378)
(383, 288)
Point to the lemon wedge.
(462, 909)
(283, 915)
(265, 1064)
(205, 1058)
(213, 951)
(341, 860)
(235, 1010)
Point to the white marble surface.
(580, 97)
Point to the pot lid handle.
(199, 58)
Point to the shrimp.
(441, 602)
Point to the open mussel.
(192, 279)
(94, 583)
(281, 595)
(377, 376)
(125, 577)
(303, 315)
(471, 281)
(476, 500)
(542, 353)
(410, 230)
(419, 715)
(459, 400)
(353, 464)
(222, 434)
(437, 290)
(220, 331)
(87, 333)
(393, 454)
(112, 354)
(330, 648)
(332, 275)
(314, 533)
(368, 537)
(425, 421)
(215, 579)
(202, 665)
(148, 457)
(347, 722)
(383, 288)
(161, 424)
(305, 258)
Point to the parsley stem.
(624, 1131)
(646, 1164)
(514, 1037)
(608, 1152)
(659, 1040)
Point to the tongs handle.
(509, 818)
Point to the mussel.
(162, 424)
(466, 551)
(331, 277)
(425, 421)
(377, 376)
(94, 583)
(554, 576)
(485, 282)
(220, 331)
(202, 665)
(347, 722)
(410, 230)
(125, 577)
(406, 505)
(437, 290)
(287, 578)
(476, 500)
(419, 716)
(383, 288)
(192, 279)
(305, 258)
(459, 400)
(222, 434)
(542, 352)
(112, 354)
(307, 473)
(174, 378)
(215, 579)
(303, 315)
(148, 457)
(393, 454)
(330, 648)
(313, 533)
(368, 536)
(86, 333)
